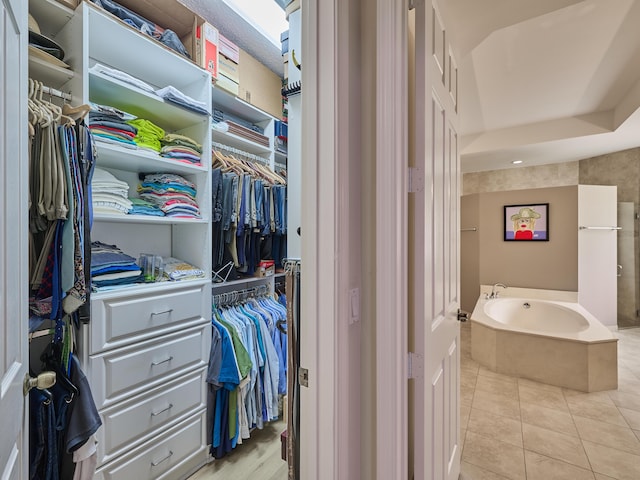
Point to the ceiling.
(542, 81)
(545, 81)
(243, 32)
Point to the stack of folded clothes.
(181, 148)
(108, 124)
(110, 266)
(176, 269)
(143, 207)
(108, 194)
(175, 195)
(148, 134)
(175, 96)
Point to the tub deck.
(584, 364)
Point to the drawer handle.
(162, 313)
(168, 359)
(155, 464)
(155, 414)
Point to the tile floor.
(517, 429)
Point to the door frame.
(329, 244)
(14, 312)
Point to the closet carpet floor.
(258, 457)
(516, 429)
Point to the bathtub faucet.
(494, 292)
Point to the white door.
(13, 239)
(434, 252)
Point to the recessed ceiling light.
(516, 162)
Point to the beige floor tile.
(614, 463)
(595, 397)
(596, 411)
(637, 432)
(466, 395)
(599, 476)
(554, 444)
(465, 411)
(540, 467)
(628, 385)
(548, 418)
(543, 397)
(488, 373)
(497, 386)
(609, 435)
(469, 471)
(537, 385)
(463, 438)
(497, 404)
(501, 428)
(626, 400)
(631, 416)
(468, 381)
(494, 456)
(468, 369)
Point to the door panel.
(13, 239)
(434, 245)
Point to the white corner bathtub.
(544, 336)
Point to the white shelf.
(231, 104)
(140, 160)
(145, 288)
(148, 219)
(52, 75)
(110, 91)
(119, 46)
(281, 158)
(240, 143)
(50, 15)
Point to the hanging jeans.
(43, 444)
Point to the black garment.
(83, 420)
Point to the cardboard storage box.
(227, 84)
(266, 268)
(228, 68)
(207, 48)
(229, 49)
(259, 86)
(168, 14)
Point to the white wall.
(597, 252)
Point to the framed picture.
(526, 222)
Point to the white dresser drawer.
(117, 320)
(119, 374)
(172, 455)
(136, 420)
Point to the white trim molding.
(391, 240)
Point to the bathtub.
(546, 336)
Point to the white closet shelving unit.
(146, 348)
(53, 19)
(233, 105)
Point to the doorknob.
(462, 316)
(42, 381)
